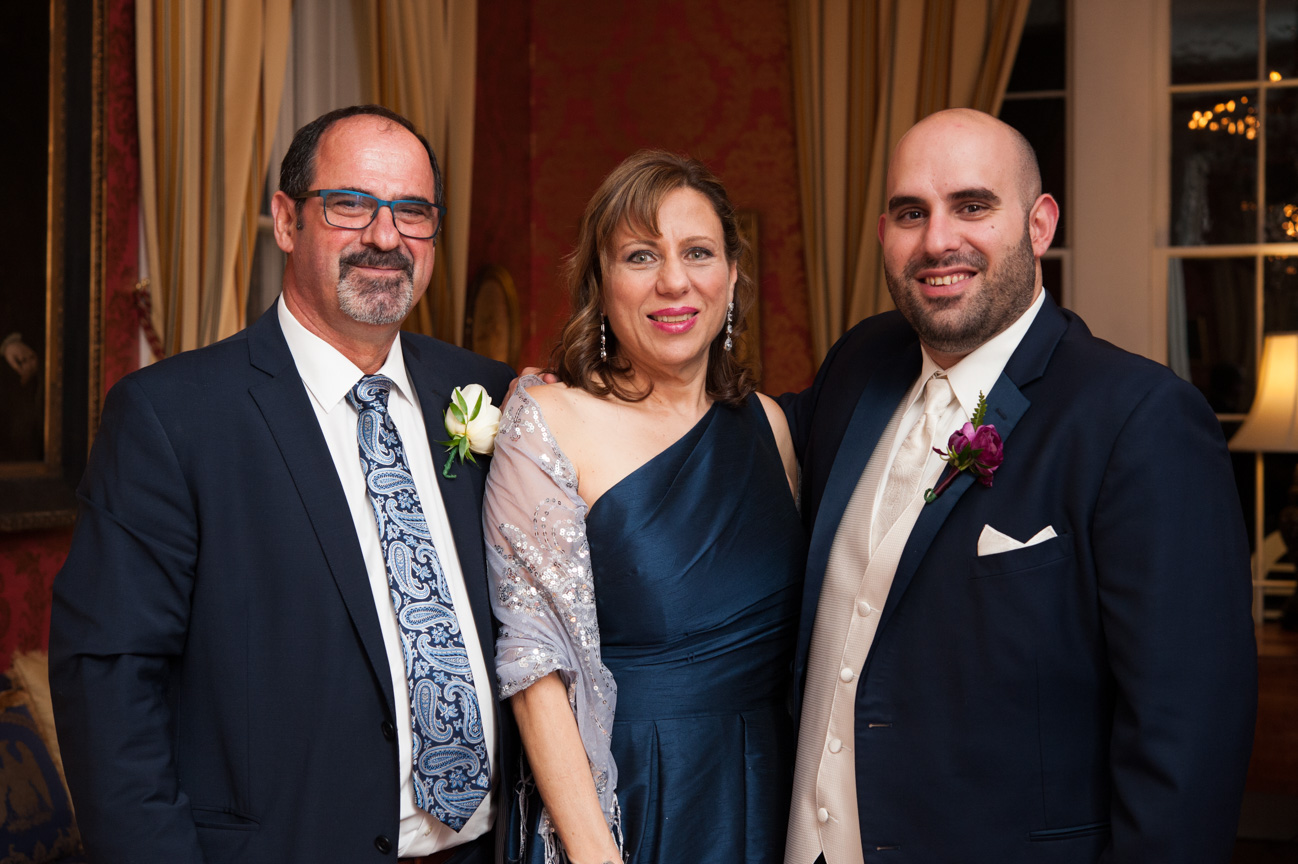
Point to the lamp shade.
(1272, 423)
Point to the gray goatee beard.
(379, 300)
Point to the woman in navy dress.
(645, 549)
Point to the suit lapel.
(878, 400)
(1006, 405)
(286, 407)
(461, 496)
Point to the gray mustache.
(394, 259)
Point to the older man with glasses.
(268, 639)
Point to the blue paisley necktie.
(451, 772)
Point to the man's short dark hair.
(297, 171)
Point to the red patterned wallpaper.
(121, 194)
(565, 92)
(499, 231)
(29, 561)
(704, 77)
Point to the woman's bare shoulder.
(567, 410)
(783, 440)
(775, 416)
(557, 398)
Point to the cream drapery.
(864, 72)
(210, 76)
(419, 58)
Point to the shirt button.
(864, 609)
(835, 745)
(846, 675)
(822, 815)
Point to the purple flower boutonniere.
(974, 447)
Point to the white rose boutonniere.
(472, 422)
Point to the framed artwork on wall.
(492, 316)
(49, 310)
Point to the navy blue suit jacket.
(220, 683)
(1090, 698)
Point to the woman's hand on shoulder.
(783, 439)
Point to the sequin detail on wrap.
(543, 592)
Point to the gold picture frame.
(493, 317)
(37, 483)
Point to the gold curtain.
(418, 57)
(210, 75)
(864, 72)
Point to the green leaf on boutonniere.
(980, 413)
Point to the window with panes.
(1035, 103)
(1232, 262)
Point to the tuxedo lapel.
(461, 495)
(1006, 405)
(883, 391)
(287, 410)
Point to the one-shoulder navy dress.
(697, 561)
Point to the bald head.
(1002, 139)
(965, 226)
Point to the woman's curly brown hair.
(632, 195)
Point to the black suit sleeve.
(799, 407)
(1174, 590)
(120, 617)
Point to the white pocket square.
(991, 541)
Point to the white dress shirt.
(858, 576)
(328, 376)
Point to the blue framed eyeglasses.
(344, 208)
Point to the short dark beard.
(1006, 294)
(376, 299)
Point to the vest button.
(846, 675)
(383, 844)
(835, 745)
(389, 731)
(822, 815)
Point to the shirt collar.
(977, 372)
(327, 374)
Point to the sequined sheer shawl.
(542, 588)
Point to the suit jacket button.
(389, 731)
(383, 844)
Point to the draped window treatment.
(210, 76)
(419, 58)
(864, 72)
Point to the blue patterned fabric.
(36, 823)
(450, 766)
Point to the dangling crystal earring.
(730, 317)
(603, 351)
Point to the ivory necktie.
(450, 767)
(908, 466)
